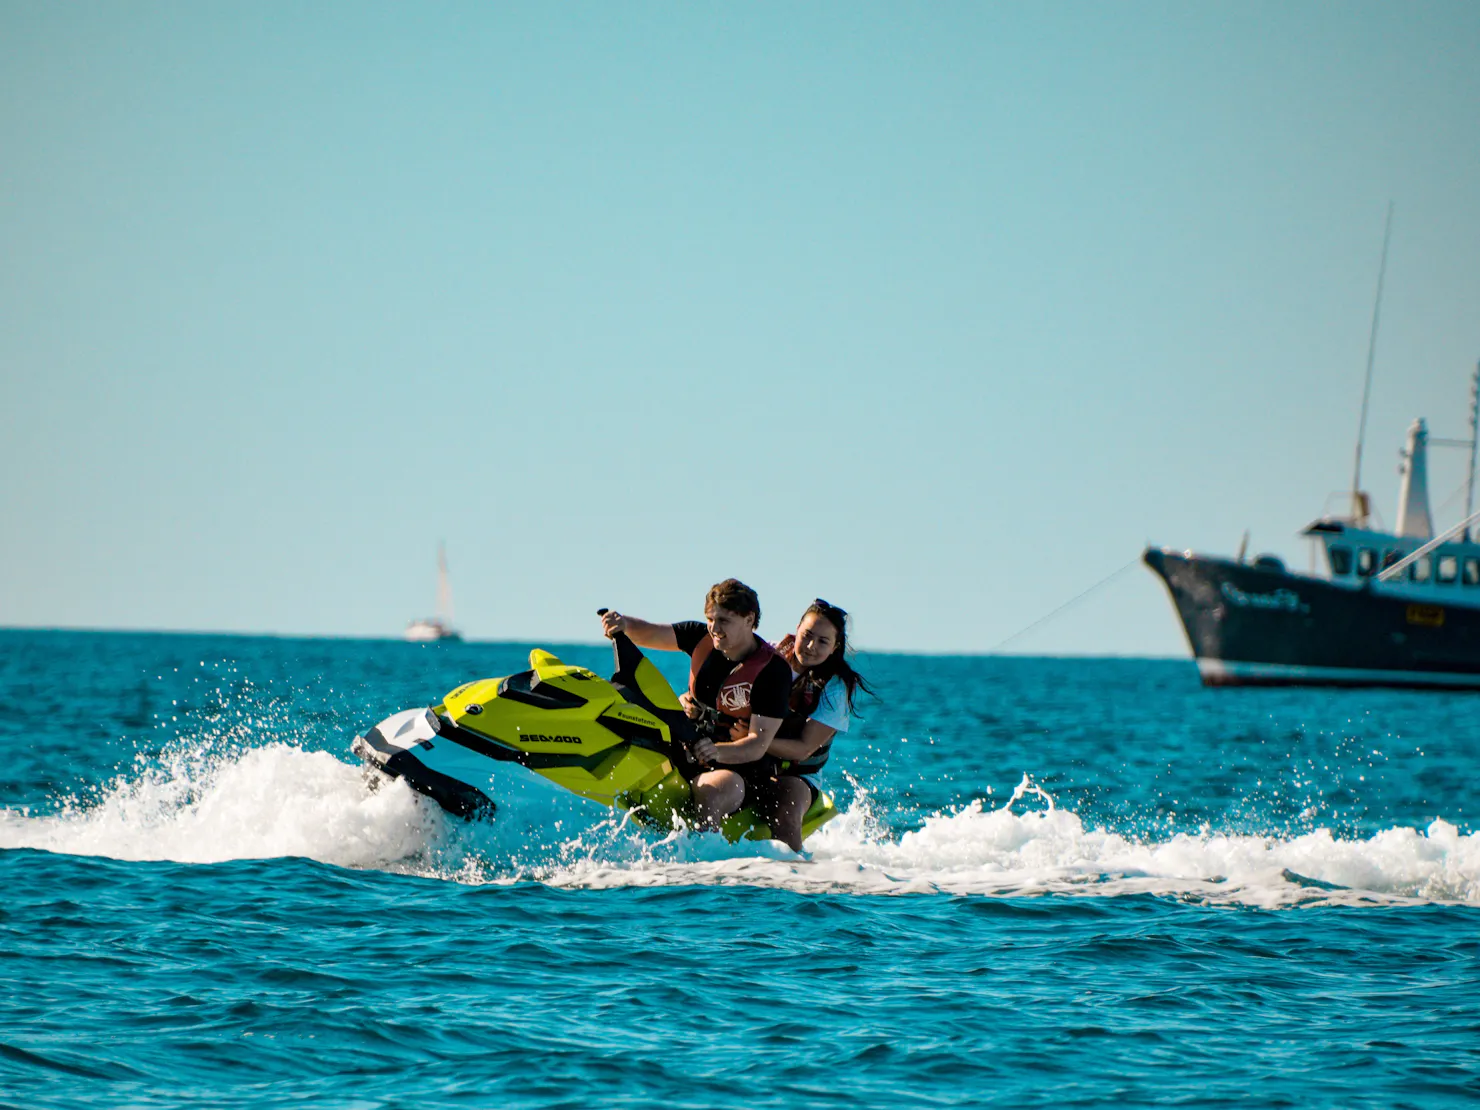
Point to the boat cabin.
(1354, 553)
(1411, 560)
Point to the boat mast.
(1474, 445)
(444, 587)
(1359, 499)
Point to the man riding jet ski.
(622, 743)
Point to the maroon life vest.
(733, 699)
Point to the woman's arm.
(747, 750)
(814, 735)
(643, 633)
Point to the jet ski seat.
(526, 687)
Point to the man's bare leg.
(717, 794)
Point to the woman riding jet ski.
(622, 743)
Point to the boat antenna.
(1359, 499)
(1474, 445)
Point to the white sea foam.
(279, 800)
(275, 800)
(978, 850)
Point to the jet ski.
(623, 743)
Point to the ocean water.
(1054, 883)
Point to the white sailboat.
(439, 627)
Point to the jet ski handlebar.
(707, 723)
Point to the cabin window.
(1472, 571)
(1391, 558)
(1421, 569)
(1341, 559)
(1366, 561)
(1446, 570)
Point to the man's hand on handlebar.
(612, 622)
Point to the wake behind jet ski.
(622, 743)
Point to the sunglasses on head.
(829, 607)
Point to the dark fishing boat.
(1399, 608)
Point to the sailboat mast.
(444, 587)
(1359, 505)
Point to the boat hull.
(1261, 626)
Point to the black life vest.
(806, 693)
(733, 699)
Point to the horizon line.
(520, 642)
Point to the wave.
(266, 802)
(280, 800)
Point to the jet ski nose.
(401, 731)
(401, 747)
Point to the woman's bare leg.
(795, 797)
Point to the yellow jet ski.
(621, 743)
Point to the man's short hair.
(734, 595)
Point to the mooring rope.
(1068, 604)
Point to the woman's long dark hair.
(835, 665)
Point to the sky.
(939, 311)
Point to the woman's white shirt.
(832, 706)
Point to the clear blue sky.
(939, 311)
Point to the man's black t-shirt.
(770, 694)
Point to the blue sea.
(1054, 882)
